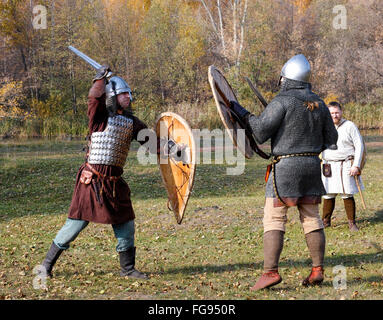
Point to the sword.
(360, 192)
(90, 61)
(257, 93)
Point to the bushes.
(364, 116)
(64, 126)
(198, 115)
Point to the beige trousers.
(275, 218)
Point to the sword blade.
(257, 93)
(93, 63)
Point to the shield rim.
(179, 216)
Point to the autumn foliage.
(164, 47)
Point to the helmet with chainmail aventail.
(116, 86)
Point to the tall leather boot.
(327, 210)
(349, 205)
(272, 248)
(316, 243)
(51, 258)
(127, 262)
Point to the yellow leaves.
(139, 5)
(49, 107)
(11, 98)
(191, 44)
(136, 5)
(302, 5)
(331, 97)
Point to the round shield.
(223, 94)
(177, 176)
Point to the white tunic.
(350, 143)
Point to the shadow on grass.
(355, 281)
(371, 220)
(197, 269)
(330, 261)
(344, 260)
(377, 218)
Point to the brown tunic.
(107, 209)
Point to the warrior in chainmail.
(101, 195)
(300, 127)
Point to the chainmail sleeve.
(268, 122)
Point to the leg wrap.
(316, 243)
(272, 248)
(349, 206)
(328, 208)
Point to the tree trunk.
(221, 27)
(242, 38)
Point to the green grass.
(216, 253)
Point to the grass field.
(216, 253)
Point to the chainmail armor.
(294, 129)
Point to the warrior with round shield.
(101, 195)
(300, 127)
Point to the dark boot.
(327, 210)
(127, 262)
(272, 248)
(51, 258)
(315, 278)
(349, 206)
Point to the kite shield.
(177, 176)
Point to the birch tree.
(228, 22)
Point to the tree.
(12, 98)
(228, 23)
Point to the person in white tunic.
(341, 167)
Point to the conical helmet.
(116, 86)
(297, 68)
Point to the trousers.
(333, 195)
(275, 218)
(123, 232)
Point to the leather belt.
(276, 159)
(102, 177)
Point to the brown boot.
(349, 206)
(315, 278)
(327, 210)
(267, 280)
